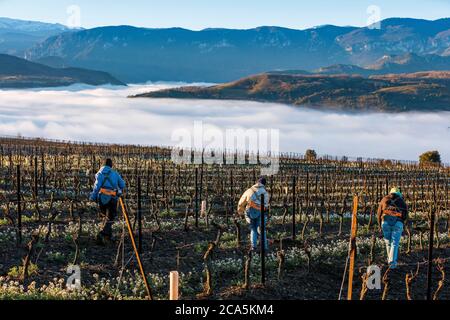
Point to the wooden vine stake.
(133, 242)
(203, 209)
(19, 208)
(263, 242)
(174, 280)
(352, 253)
(431, 245)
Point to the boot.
(104, 239)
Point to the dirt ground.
(176, 250)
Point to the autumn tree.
(310, 155)
(430, 157)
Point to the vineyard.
(184, 219)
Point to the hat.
(262, 181)
(397, 191)
(108, 163)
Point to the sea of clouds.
(105, 114)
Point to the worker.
(108, 187)
(392, 215)
(250, 206)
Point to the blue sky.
(199, 14)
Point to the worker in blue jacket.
(108, 187)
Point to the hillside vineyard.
(47, 223)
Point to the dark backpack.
(393, 207)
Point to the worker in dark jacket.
(392, 215)
(108, 187)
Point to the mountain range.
(220, 55)
(19, 73)
(17, 36)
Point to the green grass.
(57, 257)
(169, 214)
(201, 247)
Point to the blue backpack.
(105, 198)
(254, 206)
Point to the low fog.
(104, 114)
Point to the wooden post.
(203, 209)
(19, 208)
(307, 192)
(174, 280)
(200, 192)
(133, 243)
(164, 180)
(231, 187)
(352, 253)
(35, 177)
(196, 197)
(431, 245)
(294, 185)
(263, 242)
(387, 185)
(147, 184)
(139, 215)
(93, 163)
(44, 187)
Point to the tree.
(310, 155)
(430, 157)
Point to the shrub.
(430, 157)
(310, 155)
(16, 272)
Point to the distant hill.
(343, 69)
(410, 62)
(292, 72)
(221, 55)
(20, 73)
(16, 36)
(407, 63)
(390, 93)
(54, 62)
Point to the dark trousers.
(109, 213)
